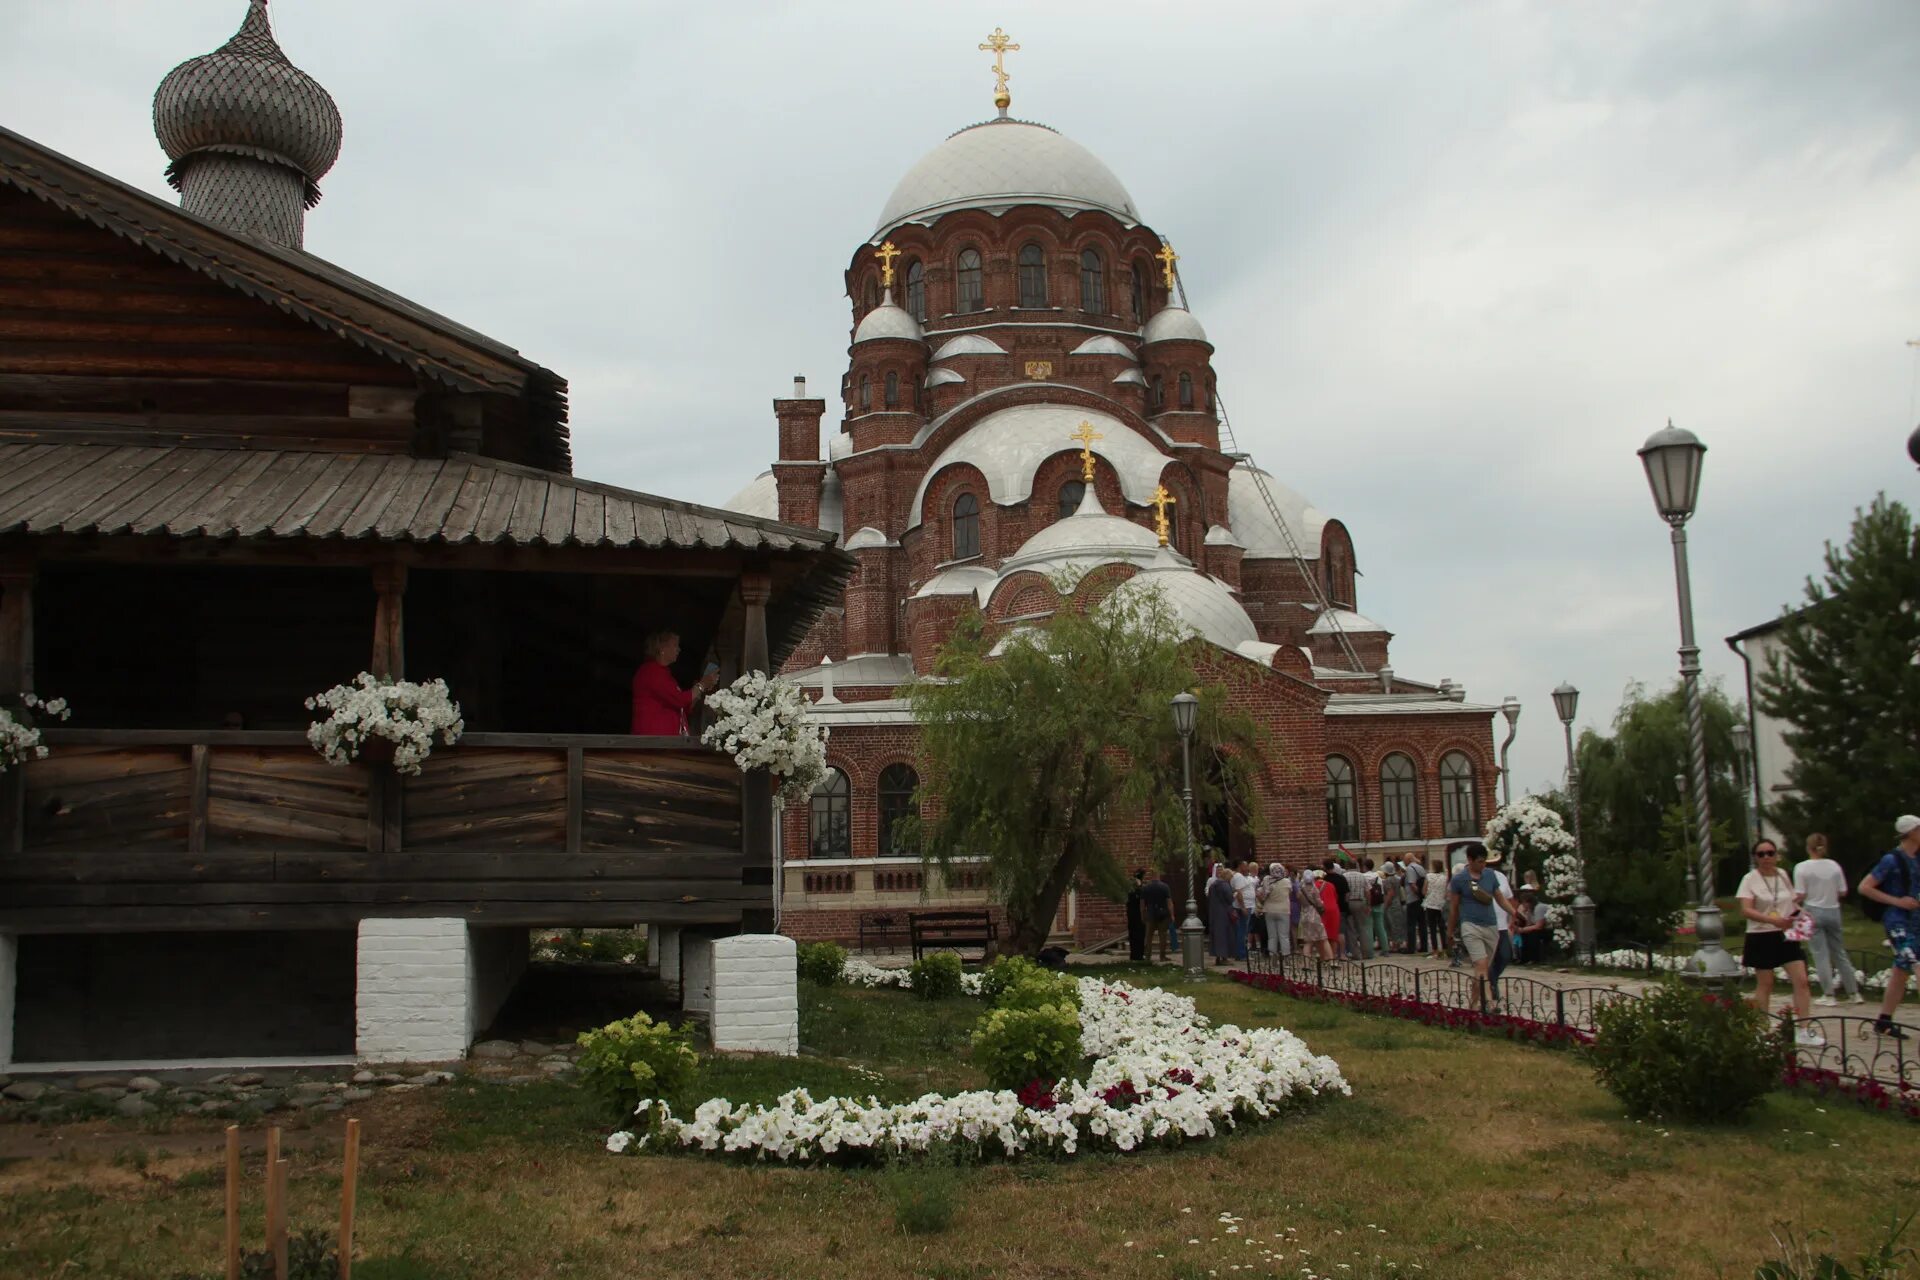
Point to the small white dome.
(1131, 377)
(1084, 539)
(867, 537)
(888, 320)
(1102, 345)
(1200, 602)
(761, 498)
(1350, 622)
(969, 344)
(1000, 164)
(942, 377)
(1220, 536)
(1252, 522)
(1170, 323)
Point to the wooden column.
(756, 821)
(389, 634)
(16, 677)
(389, 662)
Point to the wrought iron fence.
(1852, 1050)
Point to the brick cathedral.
(1026, 394)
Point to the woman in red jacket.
(1330, 911)
(660, 705)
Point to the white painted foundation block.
(696, 973)
(669, 957)
(414, 990)
(9, 981)
(756, 994)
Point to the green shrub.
(924, 1196)
(1041, 987)
(1798, 1261)
(1015, 1046)
(636, 1058)
(1003, 973)
(1682, 1054)
(822, 962)
(936, 977)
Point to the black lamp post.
(1566, 701)
(1672, 458)
(1192, 946)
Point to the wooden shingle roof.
(273, 494)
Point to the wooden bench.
(952, 930)
(882, 926)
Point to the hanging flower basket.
(765, 722)
(385, 722)
(20, 726)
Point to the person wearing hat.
(1472, 894)
(1894, 883)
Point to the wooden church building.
(233, 475)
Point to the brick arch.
(1189, 513)
(1363, 795)
(1485, 780)
(1020, 594)
(1423, 769)
(1061, 467)
(936, 509)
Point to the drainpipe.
(1753, 730)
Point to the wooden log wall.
(257, 828)
(103, 341)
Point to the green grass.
(1472, 1157)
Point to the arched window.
(1033, 277)
(1156, 392)
(1186, 391)
(970, 296)
(916, 290)
(866, 393)
(1139, 293)
(966, 526)
(1093, 281)
(1459, 807)
(1070, 495)
(898, 782)
(1399, 798)
(1343, 811)
(832, 833)
(892, 393)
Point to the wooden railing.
(497, 818)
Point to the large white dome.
(1000, 164)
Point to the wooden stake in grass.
(280, 1228)
(233, 1202)
(276, 1234)
(349, 1181)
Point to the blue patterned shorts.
(1901, 936)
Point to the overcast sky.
(1458, 259)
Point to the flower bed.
(1637, 961)
(1161, 1075)
(858, 973)
(1871, 1094)
(1550, 1034)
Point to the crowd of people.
(1469, 914)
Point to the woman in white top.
(1434, 903)
(1822, 884)
(1768, 900)
(1277, 904)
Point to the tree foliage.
(1041, 754)
(1845, 683)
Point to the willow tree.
(1044, 746)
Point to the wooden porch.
(156, 829)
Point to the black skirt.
(1770, 949)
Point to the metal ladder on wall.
(1307, 575)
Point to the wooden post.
(280, 1223)
(16, 676)
(389, 632)
(274, 1207)
(576, 797)
(233, 1202)
(756, 814)
(349, 1183)
(197, 798)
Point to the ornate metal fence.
(1853, 1051)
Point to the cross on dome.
(1167, 258)
(1161, 501)
(1086, 435)
(999, 46)
(887, 253)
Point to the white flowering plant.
(1527, 830)
(1161, 1075)
(20, 727)
(403, 713)
(765, 722)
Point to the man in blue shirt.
(1895, 881)
(1471, 894)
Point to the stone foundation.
(755, 999)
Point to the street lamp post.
(1743, 756)
(1510, 708)
(1672, 458)
(1686, 824)
(1566, 701)
(1192, 947)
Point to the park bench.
(952, 930)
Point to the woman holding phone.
(660, 705)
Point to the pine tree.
(1044, 744)
(1846, 684)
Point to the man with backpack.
(1890, 894)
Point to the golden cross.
(999, 46)
(1086, 435)
(1160, 502)
(887, 253)
(1167, 258)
